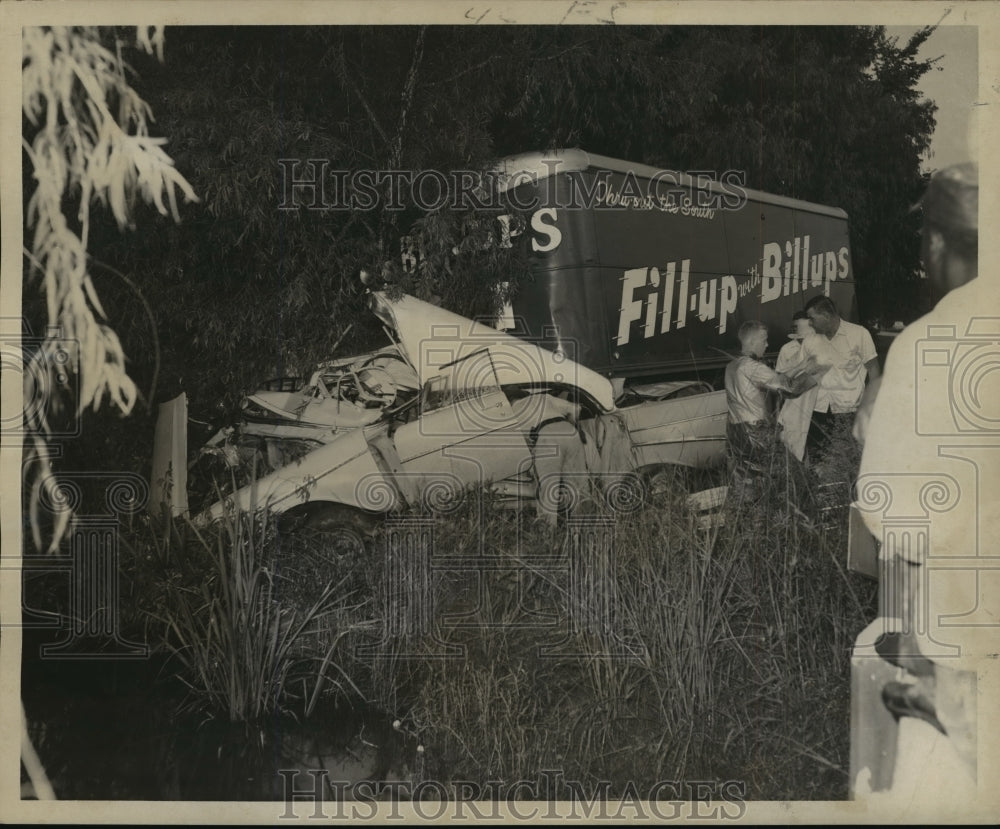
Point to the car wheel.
(660, 481)
(334, 532)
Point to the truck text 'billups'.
(637, 280)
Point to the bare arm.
(799, 383)
(874, 370)
(864, 415)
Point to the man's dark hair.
(799, 315)
(824, 305)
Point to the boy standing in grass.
(750, 386)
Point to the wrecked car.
(286, 418)
(451, 404)
(643, 291)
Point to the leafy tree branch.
(86, 140)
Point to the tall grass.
(727, 656)
(249, 631)
(732, 656)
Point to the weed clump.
(252, 621)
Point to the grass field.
(726, 657)
(616, 648)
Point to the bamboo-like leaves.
(71, 83)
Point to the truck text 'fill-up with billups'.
(640, 272)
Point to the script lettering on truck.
(661, 299)
(643, 272)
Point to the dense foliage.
(243, 290)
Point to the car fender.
(342, 471)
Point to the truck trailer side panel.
(632, 278)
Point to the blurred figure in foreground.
(927, 489)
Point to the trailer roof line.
(540, 165)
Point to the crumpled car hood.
(433, 338)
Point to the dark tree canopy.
(242, 290)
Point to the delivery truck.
(639, 272)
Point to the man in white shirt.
(848, 353)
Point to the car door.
(468, 433)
